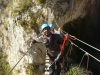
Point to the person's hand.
(66, 35)
(59, 29)
(72, 37)
(57, 57)
(31, 44)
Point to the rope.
(72, 36)
(81, 48)
(85, 52)
(62, 47)
(79, 40)
(89, 45)
(84, 43)
(81, 60)
(17, 63)
(87, 62)
(70, 48)
(22, 58)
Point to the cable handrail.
(80, 40)
(85, 43)
(89, 45)
(18, 62)
(85, 51)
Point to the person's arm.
(37, 40)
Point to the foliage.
(22, 6)
(25, 5)
(31, 14)
(4, 65)
(39, 21)
(75, 71)
(23, 23)
(33, 69)
(40, 2)
(32, 23)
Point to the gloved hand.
(32, 42)
(57, 57)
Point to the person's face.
(46, 31)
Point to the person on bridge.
(53, 44)
(53, 30)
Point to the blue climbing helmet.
(51, 26)
(44, 25)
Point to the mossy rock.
(4, 65)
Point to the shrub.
(75, 71)
(30, 70)
(33, 69)
(40, 1)
(25, 5)
(32, 23)
(23, 23)
(4, 65)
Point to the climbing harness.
(62, 47)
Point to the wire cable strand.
(17, 62)
(84, 43)
(85, 51)
(79, 39)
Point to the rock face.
(77, 17)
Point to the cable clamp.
(71, 43)
(86, 53)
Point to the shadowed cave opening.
(87, 30)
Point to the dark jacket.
(52, 43)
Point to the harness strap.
(62, 47)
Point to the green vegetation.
(21, 7)
(23, 23)
(29, 25)
(40, 2)
(32, 23)
(18, 71)
(30, 69)
(75, 71)
(4, 65)
(33, 69)
(35, 21)
(39, 21)
(24, 5)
